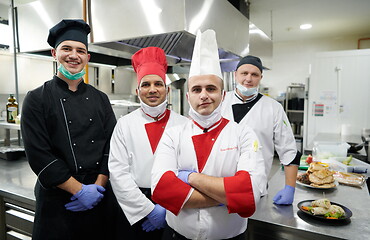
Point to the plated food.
(324, 209)
(318, 176)
(350, 179)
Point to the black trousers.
(54, 222)
(170, 234)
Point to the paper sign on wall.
(318, 109)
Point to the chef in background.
(246, 106)
(66, 128)
(209, 173)
(134, 143)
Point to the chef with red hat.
(134, 143)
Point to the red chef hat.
(150, 60)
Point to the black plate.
(307, 203)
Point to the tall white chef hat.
(205, 59)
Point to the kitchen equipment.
(293, 125)
(355, 147)
(325, 150)
(331, 103)
(355, 166)
(12, 153)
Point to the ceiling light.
(305, 26)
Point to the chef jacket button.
(64, 100)
(74, 144)
(92, 141)
(69, 121)
(87, 98)
(90, 119)
(80, 167)
(97, 163)
(213, 139)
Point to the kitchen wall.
(291, 60)
(33, 71)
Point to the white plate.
(309, 186)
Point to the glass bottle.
(11, 109)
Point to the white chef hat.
(205, 58)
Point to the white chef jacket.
(235, 151)
(269, 121)
(130, 162)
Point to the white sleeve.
(165, 158)
(251, 160)
(284, 141)
(133, 202)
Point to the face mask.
(153, 111)
(206, 121)
(69, 75)
(246, 91)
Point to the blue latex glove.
(285, 196)
(184, 175)
(148, 226)
(157, 217)
(87, 198)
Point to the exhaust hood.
(121, 27)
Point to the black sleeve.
(50, 170)
(297, 159)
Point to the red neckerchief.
(203, 143)
(155, 130)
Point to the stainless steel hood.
(121, 27)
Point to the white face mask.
(246, 91)
(153, 111)
(205, 121)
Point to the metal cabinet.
(18, 219)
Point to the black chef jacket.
(66, 133)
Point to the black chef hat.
(69, 29)
(251, 60)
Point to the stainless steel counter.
(8, 127)
(17, 201)
(287, 222)
(17, 180)
(269, 222)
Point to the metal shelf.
(295, 111)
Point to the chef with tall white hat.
(208, 173)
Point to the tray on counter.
(11, 153)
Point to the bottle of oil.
(11, 109)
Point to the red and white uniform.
(226, 150)
(133, 143)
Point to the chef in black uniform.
(66, 127)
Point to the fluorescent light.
(305, 26)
